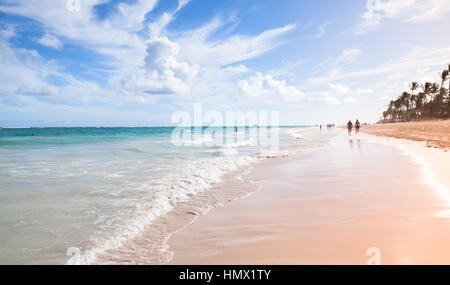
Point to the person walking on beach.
(357, 126)
(349, 127)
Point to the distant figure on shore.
(349, 127)
(357, 126)
(320, 127)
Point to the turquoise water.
(94, 188)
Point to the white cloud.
(364, 91)
(339, 89)
(347, 56)
(320, 80)
(321, 30)
(7, 33)
(324, 96)
(338, 93)
(417, 64)
(197, 46)
(163, 73)
(260, 84)
(38, 91)
(279, 87)
(253, 86)
(50, 41)
(144, 60)
(385, 98)
(236, 69)
(349, 100)
(404, 10)
(23, 77)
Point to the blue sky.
(136, 62)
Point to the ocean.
(66, 191)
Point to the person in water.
(349, 127)
(357, 126)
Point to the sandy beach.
(337, 204)
(435, 133)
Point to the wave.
(180, 185)
(295, 134)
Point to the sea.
(83, 192)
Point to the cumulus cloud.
(254, 86)
(338, 93)
(287, 92)
(142, 58)
(260, 84)
(163, 73)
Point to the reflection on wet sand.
(325, 206)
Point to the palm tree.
(434, 89)
(391, 110)
(432, 102)
(438, 106)
(405, 101)
(426, 88)
(414, 85)
(444, 76)
(420, 104)
(385, 115)
(398, 105)
(448, 97)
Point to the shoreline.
(432, 160)
(268, 228)
(150, 247)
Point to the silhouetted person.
(349, 127)
(357, 126)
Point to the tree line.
(421, 102)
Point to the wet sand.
(329, 206)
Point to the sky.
(137, 62)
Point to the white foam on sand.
(184, 182)
(295, 134)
